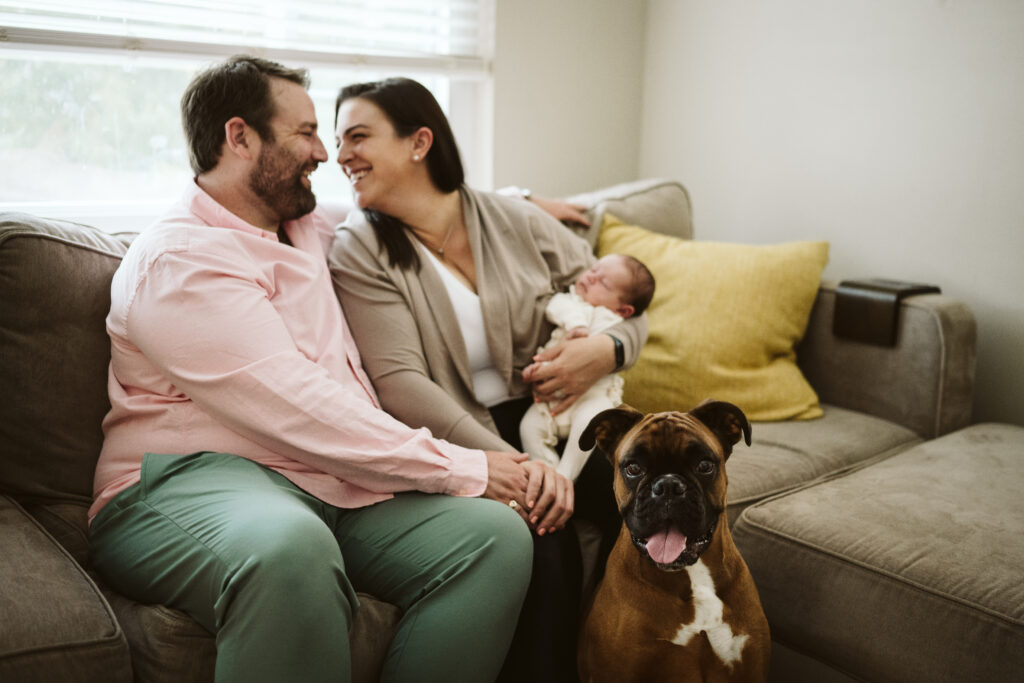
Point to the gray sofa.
(59, 622)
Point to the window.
(89, 92)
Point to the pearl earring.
(415, 157)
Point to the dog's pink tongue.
(666, 546)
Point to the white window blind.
(89, 89)
(434, 34)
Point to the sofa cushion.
(67, 523)
(55, 625)
(907, 570)
(723, 322)
(787, 455)
(167, 646)
(55, 277)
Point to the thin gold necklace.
(440, 249)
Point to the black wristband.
(620, 352)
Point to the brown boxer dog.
(677, 602)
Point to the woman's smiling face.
(370, 153)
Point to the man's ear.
(240, 138)
(422, 141)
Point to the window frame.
(469, 105)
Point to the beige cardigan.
(406, 330)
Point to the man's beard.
(278, 183)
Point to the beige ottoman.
(910, 569)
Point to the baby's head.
(618, 282)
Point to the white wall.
(892, 128)
(567, 89)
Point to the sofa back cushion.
(659, 205)
(54, 354)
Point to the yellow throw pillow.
(723, 322)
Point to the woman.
(445, 289)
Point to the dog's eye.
(705, 467)
(633, 470)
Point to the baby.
(616, 287)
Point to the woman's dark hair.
(409, 106)
(239, 86)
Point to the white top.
(488, 386)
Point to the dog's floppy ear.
(607, 428)
(726, 421)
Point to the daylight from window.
(88, 128)
(109, 130)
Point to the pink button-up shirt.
(224, 339)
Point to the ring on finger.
(513, 504)
(559, 394)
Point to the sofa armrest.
(925, 382)
(659, 205)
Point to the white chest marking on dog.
(708, 618)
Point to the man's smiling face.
(281, 176)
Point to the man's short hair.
(641, 290)
(240, 87)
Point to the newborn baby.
(617, 286)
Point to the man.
(248, 476)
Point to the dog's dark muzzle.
(671, 502)
(669, 497)
(668, 487)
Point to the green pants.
(272, 571)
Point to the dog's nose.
(668, 486)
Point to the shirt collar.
(208, 210)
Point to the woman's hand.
(564, 372)
(562, 210)
(507, 480)
(550, 498)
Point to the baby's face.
(605, 283)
